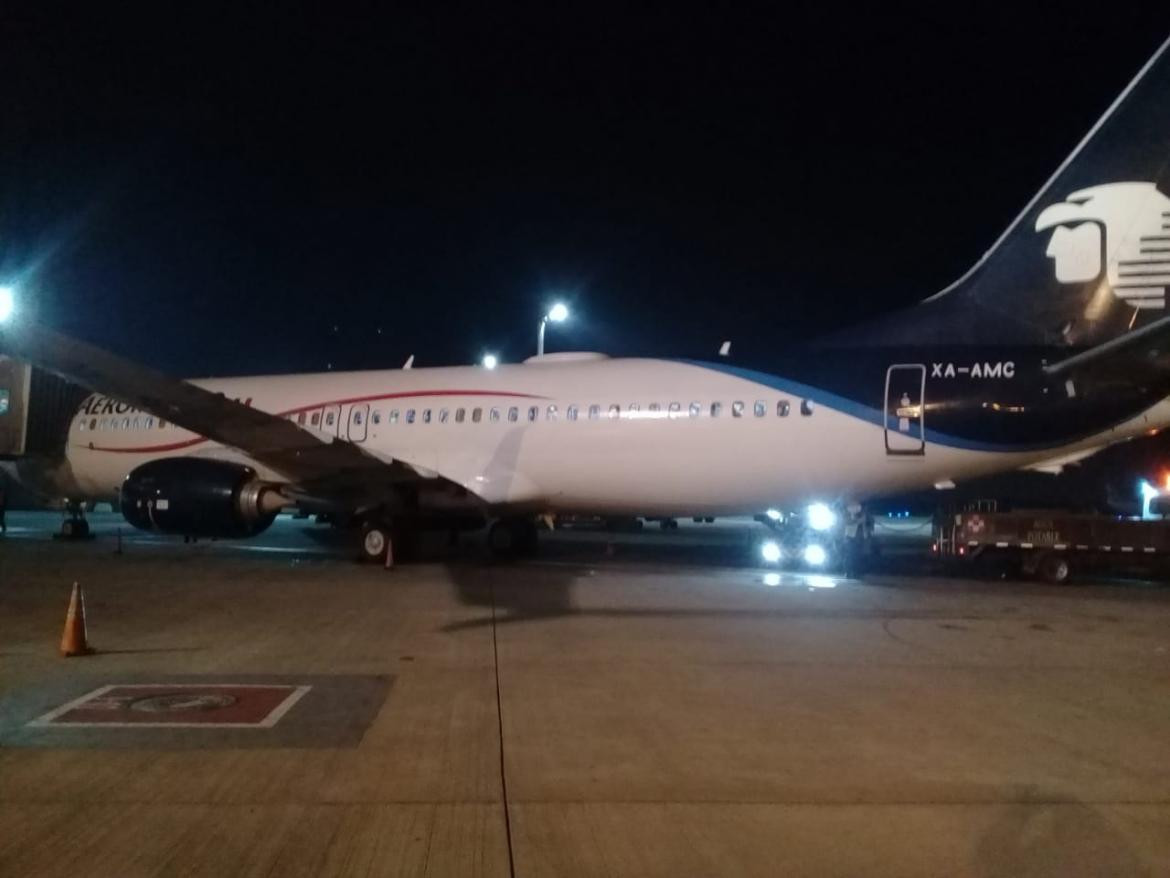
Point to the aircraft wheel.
(375, 540)
(512, 538)
(74, 528)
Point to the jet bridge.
(35, 410)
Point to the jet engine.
(199, 497)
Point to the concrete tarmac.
(586, 713)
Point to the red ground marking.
(184, 704)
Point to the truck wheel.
(1055, 569)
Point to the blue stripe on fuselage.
(868, 413)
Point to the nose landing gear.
(74, 526)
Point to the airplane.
(1051, 347)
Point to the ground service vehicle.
(1051, 543)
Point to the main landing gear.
(384, 542)
(510, 538)
(74, 525)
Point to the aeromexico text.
(104, 405)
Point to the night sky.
(214, 192)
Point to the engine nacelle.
(198, 497)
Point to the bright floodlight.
(771, 551)
(7, 303)
(773, 514)
(821, 517)
(490, 361)
(814, 555)
(558, 312)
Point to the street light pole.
(558, 313)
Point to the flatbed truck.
(1053, 544)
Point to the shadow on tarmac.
(1055, 835)
(512, 592)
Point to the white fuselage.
(630, 455)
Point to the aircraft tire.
(511, 538)
(375, 539)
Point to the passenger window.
(571, 413)
(150, 423)
(654, 407)
(675, 408)
(301, 418)
(513, 413)
(476, 415)
(594, 412)
(760, 408)
(782, 408)
(162, 425)
(459, 415)
(716, 409)
(615, 411)
(551, 413)
(426, 416)
(634, 408)
(81, 426)
(137, 424)
(695, 409)
(495, 414)
(125, 423)
(93, 423)
(393, 416)
(315, 420)
(357, 418)
(806, 407)
(410, 416)
(329, 418)
(377, 416)
(533, 413)
(737, 409)
(443, 415)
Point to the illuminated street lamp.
(558, 313)
(7, 304)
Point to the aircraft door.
(358, 415)
(905, 430)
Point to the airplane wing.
(330, 468)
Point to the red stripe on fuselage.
(188, 443)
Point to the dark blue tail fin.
(1088, 259)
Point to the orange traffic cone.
(73, 640)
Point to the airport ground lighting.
(490, 361)
(820, 516)
(558, 313)
(7, 304)
(815, 555)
